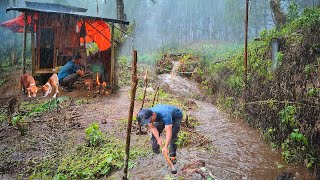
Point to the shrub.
(183, 138)
(287, 116)
(94, 135)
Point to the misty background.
(163, 24)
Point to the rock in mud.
(285, 176)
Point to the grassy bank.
(283, 91)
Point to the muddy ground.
(234, 150)
(51, 134)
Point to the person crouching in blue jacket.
(70, 72)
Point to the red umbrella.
(98, 32)
(17, 24)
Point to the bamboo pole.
(134, 83)
(24, 43)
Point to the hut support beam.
(112, 73)
(24, 43)
(84, 45)
(32, 47)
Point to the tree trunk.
(278, 15)
(120, 13)
(265, 24)
(14, 57)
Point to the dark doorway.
(46, 48)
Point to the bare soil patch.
(51, 134)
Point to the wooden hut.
(58, 32)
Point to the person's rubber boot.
(173, 160)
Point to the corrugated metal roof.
(62, 9)
(54, 7)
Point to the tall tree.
(278, 15)
(234, 20)
(7, 37)
(120, 13)
(305, 3)
(259, 16)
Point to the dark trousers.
(175, 130)
(69, 80)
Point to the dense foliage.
(87, 162)
(283, 92)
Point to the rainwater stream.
(236, 151)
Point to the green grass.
(90, 162)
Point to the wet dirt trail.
(236, 151)
(240, 151)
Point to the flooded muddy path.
(240, 152)
(236, 151)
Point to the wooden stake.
(134, 83)
(144, 95)
(154, 97)
(187, 121)
(145, 88)
(57, 102)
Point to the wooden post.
(38, 37)
(145, 88)
(32, 46)
(24, 43)
(245, 53)
(134, 83)
(84, 45)
(155, 95)
(144, 95)
(112, 73)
